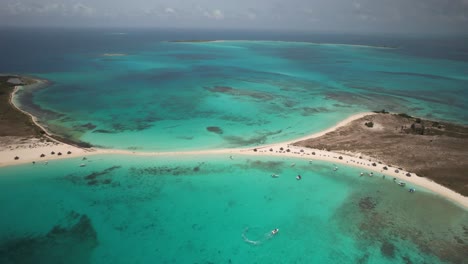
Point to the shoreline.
(28, 154)
(282, 41)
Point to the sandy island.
(22, 150)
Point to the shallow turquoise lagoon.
(204, 209)
(171, 96)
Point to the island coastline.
(27, 154)
(282, 41)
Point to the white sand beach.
(30, 150)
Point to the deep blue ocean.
(135, 89)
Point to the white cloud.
(169, 10)
(82, 9)
(215, 14)
(48, 8)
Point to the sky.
(364, 16)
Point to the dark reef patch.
(215, 129)
(82, 127)
(197, 168)
(104, 131)
(94, 178)
(430, 76)
(258, 95)
(74, 243)
(235, 118)
(240, 141)
(367, 203)
(386, 222)
(88, 126)
(255, 140)
(166, 170)
(308, 111)
(269, 166)
(364, 259)
(406, 260)
(94, 175)
(135, 125)
(289, 103)
(388, 249)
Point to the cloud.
(215, 14)
(49, 8)
(82, 9)
(251, 14)
(169, 10)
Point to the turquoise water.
(206, 209)
(237, 93)
(124, 209)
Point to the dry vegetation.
(436, 150)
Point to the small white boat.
(274, 231)
(274, 175)
(82, 165)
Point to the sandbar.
(30, 149)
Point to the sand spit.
(30, 150)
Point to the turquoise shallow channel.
(204, 209)
(136, 91)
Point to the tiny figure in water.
(383, 176)
(274, 231)
(298, 177)
(412, 190)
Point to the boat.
(82, 165)
(274, 175)
(402, 184)
(298, 177)
(274, 231)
